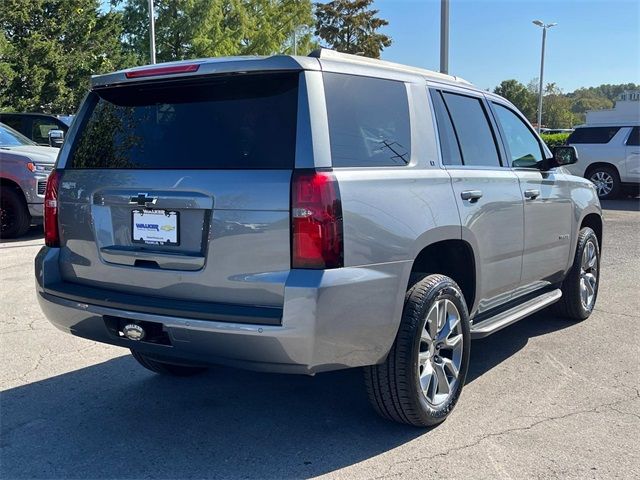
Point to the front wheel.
(580, 287)
(422, 378)
(14, 214)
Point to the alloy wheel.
(603, 182)
(440, 352)
(588, 275)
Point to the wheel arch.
(8, 183)
(594, 221)
(451, 257)
(595, 165)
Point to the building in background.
(627, 109)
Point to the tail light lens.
(51, 232)
(316, 221)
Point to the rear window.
(230, 122)
(592, 135)
(368, 121)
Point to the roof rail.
(329, 54)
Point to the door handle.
(471, 195)
(532, 194)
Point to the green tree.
(556, 108)
(351, 26)
(209, 28)
(6, 71)
(53, 47)
(519, 95)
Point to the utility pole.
(295, 41)
(444, 36)
(152, 33)
(544, 38)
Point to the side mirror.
(56, 137)
(564, 155)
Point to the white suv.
(609, 156)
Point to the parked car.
(609, 157)
(391, 215)
(37, 126)
(24, 168)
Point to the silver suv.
(306, 214)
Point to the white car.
(609, 156)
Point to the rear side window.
(634, 137)
(230, 122)
(473, 131)
(446, 133)
(592, 135)
(368, 121)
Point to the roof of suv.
(261, 63)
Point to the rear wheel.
(606, 180)
(422, 378)
(14, 214)
(165, 368)
(580, 287)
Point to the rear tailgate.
(180, 190)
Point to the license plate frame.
(160, 227)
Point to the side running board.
(506, 318)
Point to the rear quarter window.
(369, 122)
(231, 122)
(592, 135)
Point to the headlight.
(39, 167)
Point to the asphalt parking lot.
(545, 399)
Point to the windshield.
(10, 138)
(228, 122)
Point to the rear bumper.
(330, 319)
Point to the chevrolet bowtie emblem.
(143, 200)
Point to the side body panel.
(547, 228)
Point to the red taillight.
(316, 221)
(168, 70)
(51, 233)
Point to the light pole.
(444, 36)
(152, 33)
(544, 38)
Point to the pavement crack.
(610, 406)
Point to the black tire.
(602, 172)
(394, 386)
(164, 368)
(571, 305)
(14, 213)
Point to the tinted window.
(446, 133)
(472, 128)
(524, 148)
(634, 137)
(592, 135)
(11, 138)
(13, 121)
(40, 129)
(368, 121)
(231, 122)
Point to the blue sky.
(595, 42)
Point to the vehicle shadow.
(489, 352)
(35, 232)
(116, 420)
(631, 204)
